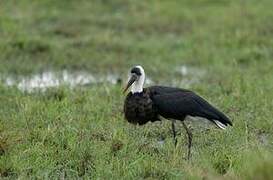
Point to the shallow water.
(185, 70)
(49, 79)
(189, 76)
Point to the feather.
(177, 103)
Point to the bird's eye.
(136, 71)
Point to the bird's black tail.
(218, 118)
(222, 122)
(214, 115)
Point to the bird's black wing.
(177, 103)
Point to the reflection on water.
(49, 79)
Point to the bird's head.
(136, 80)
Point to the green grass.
(81, 133)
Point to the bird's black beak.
(130, 82)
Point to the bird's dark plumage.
(139, 108)
(148, 104)
(171, 103)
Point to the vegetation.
(81, 133)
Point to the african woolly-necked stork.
(149, 104)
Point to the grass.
(81, 133)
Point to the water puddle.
(51, 79)
(190, 75)
(185, 70)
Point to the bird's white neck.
(137, 86)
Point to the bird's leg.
(189, 133)
(174, 133)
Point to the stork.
(150, 104)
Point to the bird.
(154, 103)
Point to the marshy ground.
(63, 64)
